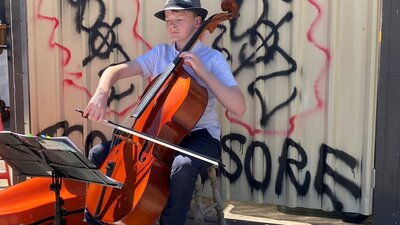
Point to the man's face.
(181, 24)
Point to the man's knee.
(99, 153)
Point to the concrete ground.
(242, 213)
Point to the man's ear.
(199, 21)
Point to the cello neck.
(153, 90)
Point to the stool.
(6, 175)
(199, 211)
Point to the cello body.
(142, 166)
(32, 202)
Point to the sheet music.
(56, 144)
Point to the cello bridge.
(126, 139)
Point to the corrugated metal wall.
(308, 69)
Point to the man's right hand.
(96, 108)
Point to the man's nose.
(172, 24)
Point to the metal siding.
(307, 69)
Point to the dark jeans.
(184, 172)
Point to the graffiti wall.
(308, 69)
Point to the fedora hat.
(193, 5)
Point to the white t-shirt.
(158, 58)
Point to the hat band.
(180, 5)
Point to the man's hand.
(96, 108)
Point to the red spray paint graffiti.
(320, 103)
(66, 53)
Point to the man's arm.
(231, 98)
(96, 108)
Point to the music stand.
(54, 157)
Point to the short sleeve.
(148, 61)
(222, 70)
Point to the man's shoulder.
(162, 46)
(211, 54)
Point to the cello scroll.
(231, 10)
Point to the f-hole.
(142, 154)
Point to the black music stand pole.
(56, 181)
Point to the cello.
(170, 107)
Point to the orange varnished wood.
(33, 202)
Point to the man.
(209, 68)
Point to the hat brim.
(200, 11)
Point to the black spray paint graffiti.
(324, 168)
(102, 39)
(285, 166)
(286, 170)
(258, 185)
(269, 45)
